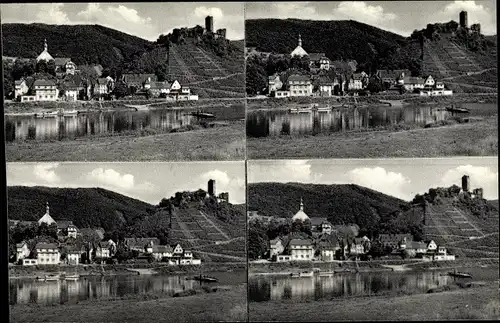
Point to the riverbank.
(13, 108)
(213, 143)
(472, 303)
(478, 138)
(274, 268)
(16, 272)
(224, 305)
(383, 100)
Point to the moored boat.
(295, 275)
(459, 274)
(72, 277)
(457, 109)
(200, 114)
(206, 279)
(51, 277)
(306, 274)
(326, 273)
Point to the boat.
(326, 274)
(455, 109)
(206, 279)
(295, 275)
(459, 274)
(322, 109)
(343, 271)
(72, 277)
(49, 278)
(306, 274)
(200, 114)
(71, 113)
(300, 110)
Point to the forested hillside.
(84, 44)
(372, 211)
(86, 207)
(371, 47)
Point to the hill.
(84, 44)
(86, 207)
(372, 211)
(343, 39)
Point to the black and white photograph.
(120, 242)
(371, 79)
(124, 82)
(373, 239)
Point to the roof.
(357, 76)
(392, 73)
(162, 249)
(275, 241)
(21, 244)
(102, 80)
(73, 249)
(59, 61)
(324, 80)
(19, 82)
(359, 240)
(297, 77)
(44, 245)
(395, 237)
(159, 85)
(316, 56)
(317, 220)
(299, 242)
(104, 244)
(64, 224)
(416, 245)
(413, 80)
(138, 77)
(141, 241)
(43, 82)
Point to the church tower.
(300, 41)
(299, 51)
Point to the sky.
(146, 20)
(401, 17)
(149, 184)
(401, 178)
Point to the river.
(22, 127)
(23, 291)
(275, 288)
(269, 123)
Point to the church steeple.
(300, 41)
(47, 209)
(45, 47)
(301, 205)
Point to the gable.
(176, 85)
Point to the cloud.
(46, 172)
(379, 179)
(112, 178)
(118, 17)
(480, 176)
(282, 172)
(202, 12)
(234, 22)
(363, 12)
(292, 9)
(53, 14)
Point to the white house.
(73, 256)
(22, 251)
(21, 88)
(103, 250)
(275, 247)
(160, 252)
(47, 253)
(45, 90)
(429, 81)
(301, 250)
(300, 85)
(274, 83)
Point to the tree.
(256, 78)
(408, 254)
(377, 249)
(375, 85)
(45, 230)
(257, 240)
(148, 94)
(120, 90)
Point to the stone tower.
(209, 24)
(463, 19)
(465, 183)
(211, 187)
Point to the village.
(71, 249)
(315, 239)
(60, 79)
(317, 75)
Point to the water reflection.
(62, 291)
(64, 127)
(274, 123)
(266, 288)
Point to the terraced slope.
(206, 73)
(209, 236)
(457, 66)
(465, 234)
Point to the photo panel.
(148, 81)
(373, 239)
(156, 242)
(355, 79)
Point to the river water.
(274, 288)
(22, 127)
(269, 123)
(23, 291)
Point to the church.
(63, 65)
(317, 61)
(300, 215)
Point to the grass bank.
(215, 143)
(472, 303)
(207, 307)
(477, 138)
